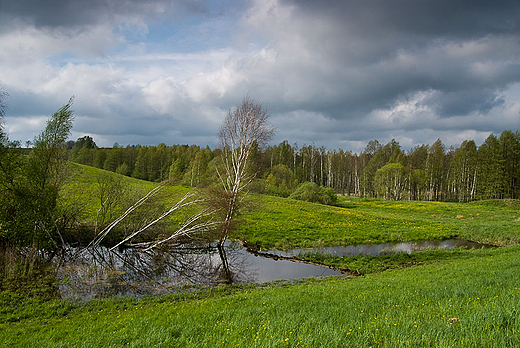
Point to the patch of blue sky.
(64, 58)
(195, 34)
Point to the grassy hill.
(273, 222)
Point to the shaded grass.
(465, 302)
(380, 263)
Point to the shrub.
(311, 192)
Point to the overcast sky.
(333, 73)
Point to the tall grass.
(24, 271)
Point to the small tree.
(30, 212)
(245, 128)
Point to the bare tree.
(197, 223)
(245, 128)
(3, 107)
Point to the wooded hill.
(426, 172)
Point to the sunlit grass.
(284, 223)
(464, 302)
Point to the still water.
(100, 273)
(92, 273)
(384, 249)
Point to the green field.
(450, 298)
(272, 222)
(285, 223)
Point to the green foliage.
(390, 181)
(313, 193)
(31, 214)
(281, 181)
(491, 174)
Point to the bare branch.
(99, 238)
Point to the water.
(93, 273)
(384, 249)
(101, 273)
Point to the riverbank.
(469, 301)
(274, 222)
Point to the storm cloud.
(336, 73)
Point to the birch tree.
(245, 128)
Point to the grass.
(273, 222)
(467, 302)
(371, 264)
(280, 223)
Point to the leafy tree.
(435, 170)
(281, 181)
(31, 213)
(84, 142)
(417, 183)
(510, 143)
(463, 172)
(380, 157)
(390, 181)
(491, 178)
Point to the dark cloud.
(439, 18)
(76, 13)
(370, 55)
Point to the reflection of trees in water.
(99, 272)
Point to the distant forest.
(427, 172)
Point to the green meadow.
(438, 298)
(286, 224)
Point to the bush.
(311, 192)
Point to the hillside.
(272, 222)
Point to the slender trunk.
(226, 271)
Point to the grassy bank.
(467, 302)
(283, 223)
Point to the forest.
(430, 172)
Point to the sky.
(335, 73)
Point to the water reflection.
(384, 249)
(98, 272)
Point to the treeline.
(426, 172)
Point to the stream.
(96, 273)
